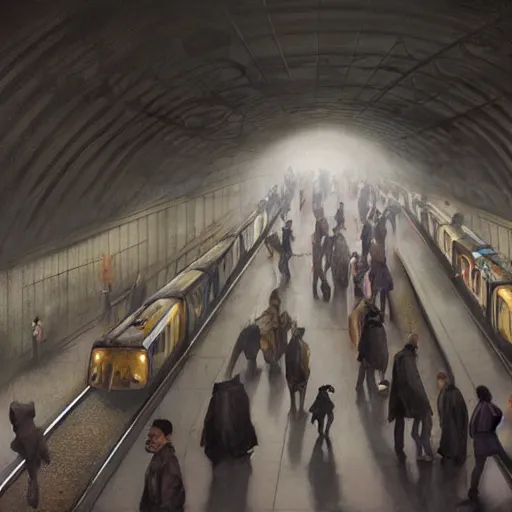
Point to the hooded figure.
(408, 399)
(339, 217)
(340, 260)
(366, 239)
(30, 444)
(373, 350)
(228, 431)
(323, 406)
(453, 419)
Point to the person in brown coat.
(29, 444)
(163, 485)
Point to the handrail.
(120, 450)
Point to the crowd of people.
(228, 430)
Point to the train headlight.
(142, 358)
(98, 356)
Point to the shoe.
(425, 458)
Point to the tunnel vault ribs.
(93, 99)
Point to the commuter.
(408, 399)
(228, 431)
(339, 217)
(366, 239)
(30, 444)
(163, 485)
(37, 338)
(322, 408)
(284, 260)
(373, 351)
(381, 282)
(453, 419)
(482, 428)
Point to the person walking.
(453, 420)
(482, 429)
(286, 242)
(408, 399)
(37, 338)
(163, 485)
(373, 351)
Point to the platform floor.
(292, 470)
(471, 356)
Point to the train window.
(464, 269)
(477, 282)
(197, 301)
(447, 244)
(504, 326)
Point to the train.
(136, 353)
(483, 275)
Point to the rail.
(14, 470)
(120, 450)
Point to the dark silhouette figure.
(323, 407)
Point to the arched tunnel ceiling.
(109, 104)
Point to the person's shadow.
(229, 486)
(277, 385)
(323, 477)
(298, 421)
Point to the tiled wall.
(64, 287)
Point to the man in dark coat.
(482, 428)
(163, 484)
(408, 399)
(453, 419)
(381, 281)
(29, 444)
(286, 242)
(228, 430)
(373, 351)
(366, 239)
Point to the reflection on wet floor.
(292, 469)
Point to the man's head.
(442, 380)
(288, 224)
(413, 339)
(483, 394)
(159, 435)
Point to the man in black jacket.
(453, 419)
(373, 351)
(482, 428)
(163, 486)
(408, 399)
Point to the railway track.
(90, 437)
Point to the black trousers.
(330, 419)
(367, 372)
(476, 474)
(421, 439)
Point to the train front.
(118, 367)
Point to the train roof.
(469, 243)
(179, 286)
(135, 328)
(213, 255)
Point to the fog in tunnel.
(110, 106)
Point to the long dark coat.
(407, 397)
(228, 430)
(453, 418)
(380, 277)
(482, 428)
(163, 483)
(373, 345)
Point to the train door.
(195, 308)
(173, 332)
(502, 319)
(464, 268)
(445, 243)
(478, 286)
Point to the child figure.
(323, 406)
